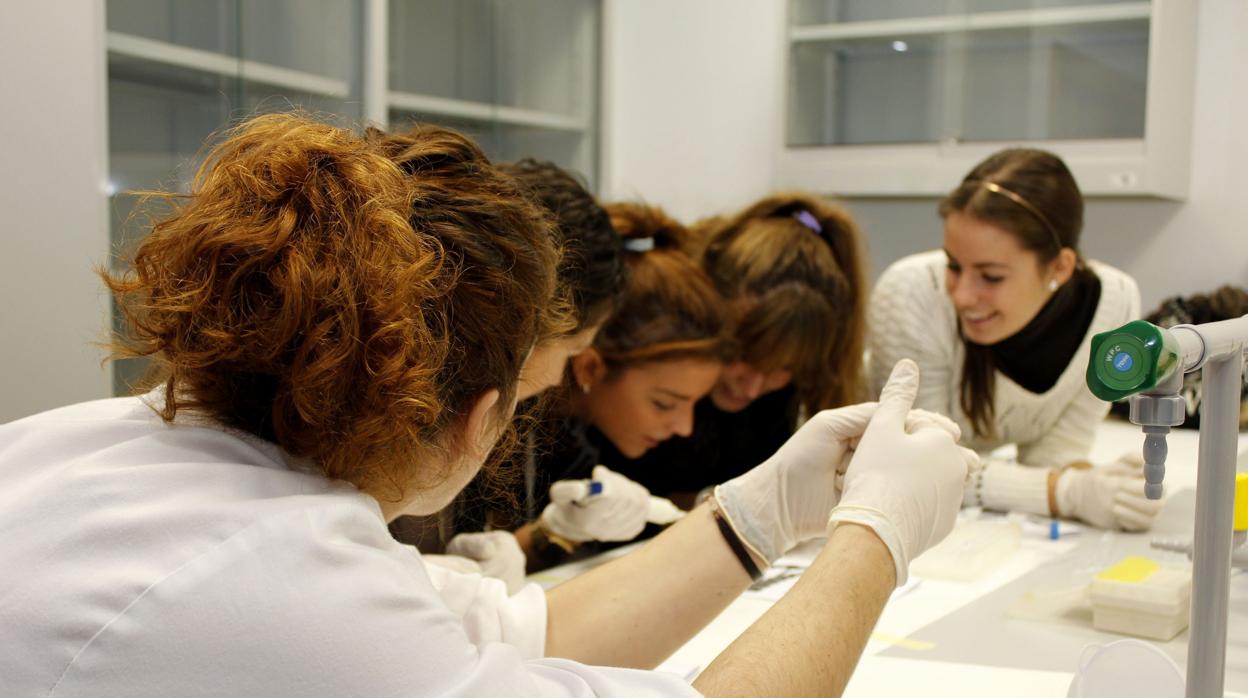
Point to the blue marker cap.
(1053, 530)
(595, 487)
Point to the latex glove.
(1109, 496)
(497, 553)
(787, 498)
(617, 513)
(904, 484)
(455, 563)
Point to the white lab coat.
(143, 559)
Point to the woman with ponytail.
(790, 270)
(341, 325)
(656, 356)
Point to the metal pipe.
(1200, 343)
(1215, 506)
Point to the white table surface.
(907, 618)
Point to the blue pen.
(592, 488)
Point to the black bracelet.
(738, 549)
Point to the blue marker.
(593, 488)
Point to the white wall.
(52, 137)
(693, 103)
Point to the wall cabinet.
(520, 76)
(902, 97)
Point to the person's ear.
(1063, 265)
(588, 369)
(480, 426)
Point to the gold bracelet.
(541, 532)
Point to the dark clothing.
(723, 445)
(1035, 356)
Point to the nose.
(682, 422)
(961, 292)
(752, 384)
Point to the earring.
(1052, 285)
(585, 388)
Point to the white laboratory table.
(943, 638)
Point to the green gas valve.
(1131, 359)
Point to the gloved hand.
(1109, 496)
(617, 513)
(455, 563)
(497, 553)
(904, 484)
(787, 499)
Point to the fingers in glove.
(1133, 458)
(973, 462)
(846, 422)
(897, 397)
(476, 547)
(925, 418)
(455, 563)
(1130, 519)
(1132, 496)
(568, 491)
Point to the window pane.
(442, 49)
(866, 91)
(208, 25)
(1076, 82)
(829, 11)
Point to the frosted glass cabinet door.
(825, 11)
(867, 91)
(442, 49)
(181, 71)
(519, 76)
(207, 25)
(879, 72)
(302, 54)
(1055, 83)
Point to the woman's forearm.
(809, 642)
(637, 610)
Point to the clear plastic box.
(1139, 597)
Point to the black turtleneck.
(1035, 356)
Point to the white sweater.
(142, 559)
(911, 316)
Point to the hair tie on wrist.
(734, 542)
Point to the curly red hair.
(321, 290)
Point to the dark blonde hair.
(346, 297)
(669, 309)
(792, 265)
(1032, 195)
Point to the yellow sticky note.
(1132, 570)
(1241, 502)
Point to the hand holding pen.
(610, 507)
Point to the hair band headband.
(998, 189)
(808, 219)
(639, 244)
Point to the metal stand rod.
(1215, 504)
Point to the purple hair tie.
(808, 219)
